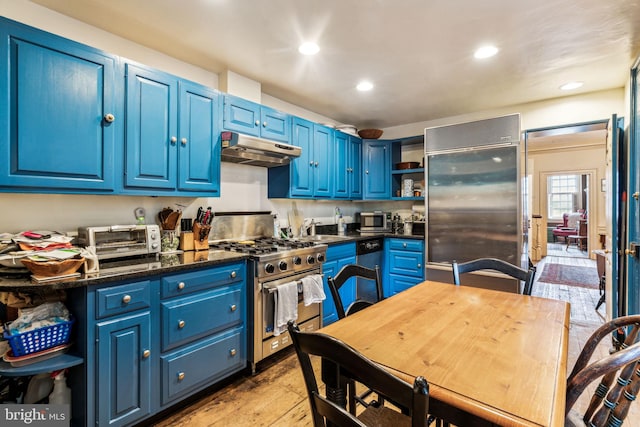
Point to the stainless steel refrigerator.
(473, 193)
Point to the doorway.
(567, 213)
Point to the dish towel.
(312, 289)
(285, 300)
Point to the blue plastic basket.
(39, 339)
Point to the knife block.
(186, 241)
(201, 236)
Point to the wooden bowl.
(407, 165)
(53, 268)
(370, 133)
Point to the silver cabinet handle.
(233, 352)
(109, 118)
(184, 141)
(419, 265)
(264, 124)
(181, 285)
(146, 354)
(233, 274)
(174, 140)
(126, 299)
(311, 163)
(181, 324)
(257, 122)
(180, 376)
(316, 164)
(404, 245)
(233, 307)
(367, 171)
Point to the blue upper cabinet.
(354, 168)
(376, 161)
(323, 146)
(152, 128)
(254, 119)
(312, 174)
(301, 169)
(348, 167)
(59, 114)
(199, 149)
(171, 134)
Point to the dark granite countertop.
(128, 269)
(136, 268)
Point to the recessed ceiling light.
(309, 48)
(571, 85)
(364, 86)
(485, 52)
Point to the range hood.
(254, 151)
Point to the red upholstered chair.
(563, 230)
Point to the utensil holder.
(201, 236)
(169, 240)
(186, 241)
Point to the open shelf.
(405, 171)
(408, 198)
(57, 363)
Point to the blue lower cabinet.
(157, 341)
(193, 367)
(337, 257)
(123, 365)
(404, 261)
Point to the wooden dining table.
(489, 356)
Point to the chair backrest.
(610, 404)
(346, 273)
(413, 399)
(527, 276)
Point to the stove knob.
(311, 259)
(320, 257)
(297, 260)
(282, 266)
(269, 268)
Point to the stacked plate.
(350, 129)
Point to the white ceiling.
(418, 53)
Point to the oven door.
(268, 291)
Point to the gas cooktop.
(260, 246)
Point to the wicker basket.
(370, 133)
(53, 268)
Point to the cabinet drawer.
(123, 298)
(186, 283)
(406, 245)
(406, 263)
(196, 316)
(201, 364)
(397, 284)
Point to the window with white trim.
(562, 193)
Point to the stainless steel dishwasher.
(368, 254)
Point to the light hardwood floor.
(276, 395)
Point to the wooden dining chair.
(610, 403)
(527, 276)
(346, 273)
(412, 400)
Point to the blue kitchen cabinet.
(404, 259)
(337, 257)
(60, 116)
(376, 162)
(148, 344)
(241, 115)
(312, 174)
(347, 180)
(124, 375)
(171, 133)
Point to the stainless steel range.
(272, 262)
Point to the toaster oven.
(119, 241)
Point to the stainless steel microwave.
(375, 222)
